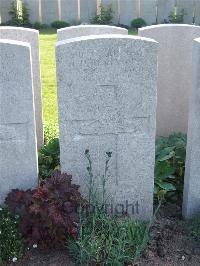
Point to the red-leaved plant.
(48, 213)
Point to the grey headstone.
(85, 30)
(191, 195)
(107, 103)
(174, 74)
(18, 156)
(32, 37)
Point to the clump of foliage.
(48, 213)
(195, 227)
(38, 25)
(11, 244)
(170, 166)
(105, 17)
(50, 131)
(15, 20)
(19, 17)
(107, 240)
(58, 24)
(104, 239)
(176, 17)
(49, 158)
(138, 23)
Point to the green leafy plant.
(58, 24)
(176, 17)
(48, 213)
(25, 16)
(107, 240)
(50, 131)
(49, 158)
(104, 239)
(19, 17)
(170, 166)
(11, 244)
(38, 26)
(15, 18)
(138, 23)
(105, 17)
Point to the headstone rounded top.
(106, 36)
(85, 30)
(171, 26)
(92, 27)
(18, 29)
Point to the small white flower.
(35, 246)
(1, 209)
(0, 232)
(14, 259)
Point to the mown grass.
(48, 74)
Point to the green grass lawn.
(48, 74)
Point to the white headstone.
(32, 37)
(107, 103)
(85, 30)
(191, 194)
(174, 74)
(18, 155)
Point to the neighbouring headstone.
(32, 37)
(174, 74)
(85, 30)
(107, 103)
(191, 194)
(18, 155)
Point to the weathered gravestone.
(32, 37)
(174, 74)
(18, 156)
(85, 30)
(107, 103)
(191, 195)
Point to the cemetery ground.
(172, 241)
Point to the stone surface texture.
(18, 156)
(4, 9)
(85, 30)
(107, 103)
(32, 37)
(174, 74)
(191, 195)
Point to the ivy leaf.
(167, 186)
